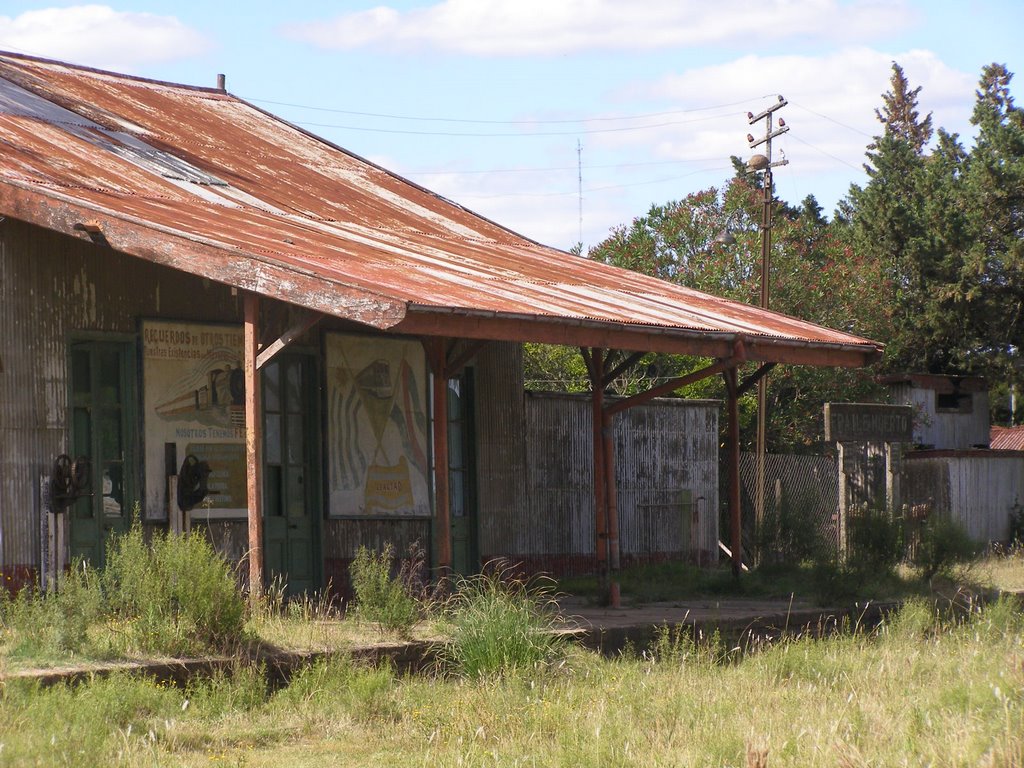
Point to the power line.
(516, 134)
(595, 189)
(826, 154)
(478, 121)
(832, 120)
(547, 169)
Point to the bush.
(875, 541)
(500, 624)
(175, 595)
(791, 532)
(381, 597)
(943, 545)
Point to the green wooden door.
(103, 429)
(462, 473)
(290, 458)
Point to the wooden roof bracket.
(752, 379)
(738, 357)
(306, 321)
(455, 363)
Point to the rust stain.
(209, 184)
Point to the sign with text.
(868, 423)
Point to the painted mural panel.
(377, 427)
(194, 404)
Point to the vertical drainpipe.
(732, 401)
(253, 447)
(442, 505)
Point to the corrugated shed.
(666, 469)
(979, 490)
(950, 412)
(206, 183)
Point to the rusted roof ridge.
(54, 63)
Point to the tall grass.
(499, 623)
(170, 596)
(928, 688)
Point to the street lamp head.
(757, 163)
(725, 237)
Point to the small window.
(953, 403)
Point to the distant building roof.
(201, 181)
(1006, 438)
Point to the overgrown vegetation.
(499, 623)
(384, 591)
(170, 596)
(927, 687)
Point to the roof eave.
(223, 263)
(567, 331)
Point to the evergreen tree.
(994, 266)
(889, 223)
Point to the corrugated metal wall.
(52, 286)
(944, 430)
(502, 503)
(666, 460)
(977, 490)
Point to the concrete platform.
(606, 630)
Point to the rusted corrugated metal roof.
(204, 182)
(1006, 438)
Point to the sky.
(559, 119)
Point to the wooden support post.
(253, 447)
(600, 468)
(442, 502)
(611, 495)
(735, 512)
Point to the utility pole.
(579, 186)
(763, 162)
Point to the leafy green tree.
(814, 275)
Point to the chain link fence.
(801, 507)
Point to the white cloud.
(547, 27)
(99, 36)
(831, 104)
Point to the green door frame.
(462, 473)
(103, 425)
(290, 426)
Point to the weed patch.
(499, 624)
(382, 592)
